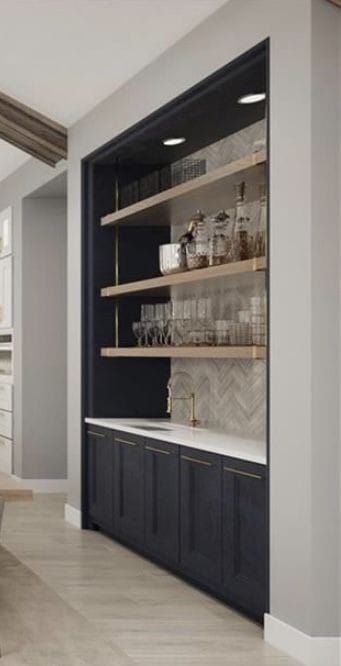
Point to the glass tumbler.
(222, 333)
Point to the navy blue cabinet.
(161, 469)
(244, 534)
(100, 478)
(129, 488)
(201, 516)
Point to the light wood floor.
(73, 598)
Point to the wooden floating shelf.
(210, 191)
(164, 282)
(251, 352)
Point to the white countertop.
(252, 450)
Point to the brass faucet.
(170, 398)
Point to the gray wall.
(13, 190)
(301, 554)
(325, 314)
(44, 338)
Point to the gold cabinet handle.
(96, 434)
(232, 470)
(125, 441)
(152, 448)
(196, 460)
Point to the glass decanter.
(197, 249)
(241, 239)
(260, 236)
(220, 242)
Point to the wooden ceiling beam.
(17, 141)
(32, 132)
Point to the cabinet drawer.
(5, 455)
(6, 397)
(6, 424)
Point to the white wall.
(44, 338)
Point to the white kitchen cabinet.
(5, 232)
(6, 448)
(6, 397)
(5, 424)
(6, 292)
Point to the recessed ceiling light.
(252, 98)
(173, 141)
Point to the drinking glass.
(222, 332)
(190, 309)
(244, 316)
(204, 309)
(197, 335)
(177, 309)
(159, 311)
(147, 312)
(147, 333)
(138, 332)
(167, 331)
(209, 336)
(155, 332)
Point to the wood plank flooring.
(73, 598)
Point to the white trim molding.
(44, 485)
(309, 650)
(73, 516)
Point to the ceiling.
(62, 57)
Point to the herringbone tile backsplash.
(231, 394)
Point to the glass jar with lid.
(220, 242)
(197, 249)
(260, 236)
(241, 239)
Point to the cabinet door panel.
(5, 232)
(129, 488)
(244, 536)
(6, 292)
(100, 478)
(6, 424)
(6, 454)
(201, 516)
(6, 397)
(162, 500)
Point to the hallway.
(72, 598)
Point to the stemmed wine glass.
(138, 330)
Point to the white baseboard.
(73, 516)
(44, 485)
(309, 650)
